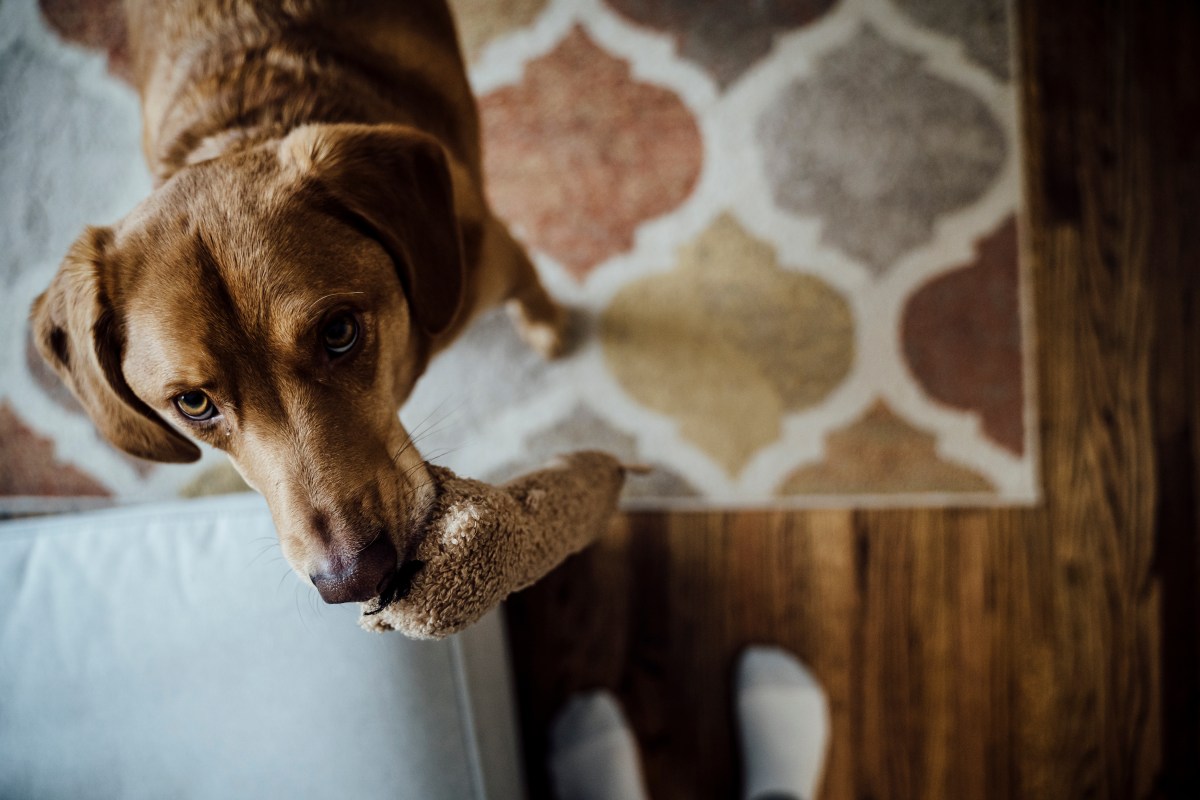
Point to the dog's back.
(213, 74)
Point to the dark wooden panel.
(1169, 101)
(1037, 653)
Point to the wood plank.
(1002, 653)
(1169, 69)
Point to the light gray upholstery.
(167, 651)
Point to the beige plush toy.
(484, 542)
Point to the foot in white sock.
(783, 718)
(593, 755)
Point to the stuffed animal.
(485, 542)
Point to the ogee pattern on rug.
(788, 236)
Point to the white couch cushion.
(167, 651)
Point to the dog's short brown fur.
(314, 159)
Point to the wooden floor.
(1034, 653)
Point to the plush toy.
(484, 542)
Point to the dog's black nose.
(357, 578)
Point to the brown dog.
(319, 231)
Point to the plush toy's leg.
(563, 508)
(593, 754)
(783, 719)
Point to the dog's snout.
(358, 577)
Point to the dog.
(317, 232)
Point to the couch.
(167, 651)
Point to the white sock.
(593, 755)
(784, 722)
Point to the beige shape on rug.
(480, 22)
(219, 479)
(882, 453)
(728, 342)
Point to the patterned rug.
(788, 232)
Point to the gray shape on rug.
(879, 149)
(982, 26)
(582, 429)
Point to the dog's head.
(278, 304)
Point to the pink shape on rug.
(579, 154)
(98, 24)
(883, 453)
(962, 338)
(28, 465)
(58, 392)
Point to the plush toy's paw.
(374, 623)
(588, 465)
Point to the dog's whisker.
(409, 442)
(443, 453)
(299, 613)
(429, 426)
(257, 556)
(312, 604)
(437, 409)
(374, 539)
(406, 475)
(423, 459)
(442, 425)
(323, 298)
(400, 452)
(412, 469)
(416, 431)
(432, 457)
(449, 415)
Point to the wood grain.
(1021, 653)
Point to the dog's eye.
(196, 405)
(339, 334)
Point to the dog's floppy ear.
(394, 180)
(79, 336)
